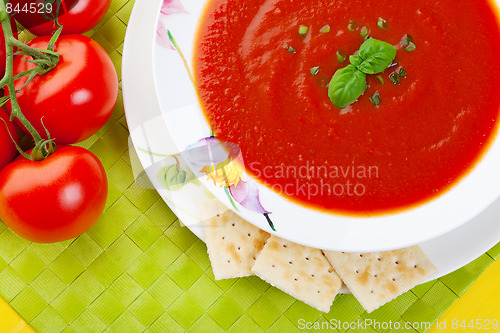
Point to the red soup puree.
(263, 69)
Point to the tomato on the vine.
(76, 98)
(8, 149)
(2, 47)
(55, 199)
(2, 53)
(76, 16)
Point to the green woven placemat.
(138, 270)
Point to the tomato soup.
(263, 67)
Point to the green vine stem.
(34, 52)
(43, 148)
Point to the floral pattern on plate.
(169, 7)
(222, 164)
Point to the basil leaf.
(355, 60)
(346, 86)
(377, 56)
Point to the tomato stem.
(47, 55)
(15, 143)
(8, 79)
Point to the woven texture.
(138, 270)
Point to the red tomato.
(7, 148)
(77, 97)
(76, 16)
(2, 46)
(56, 199)
(2, 53)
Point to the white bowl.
(185, 125)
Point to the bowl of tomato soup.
(409, 151)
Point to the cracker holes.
(312, 275)
(296, 279)
(232, 224)
(375, 275)
(284, 245)
(357, 272)
(239, 248)
(393, 279)
(254, 258)
(290, 262)
(223, 237)
(415, 266)
(379, 259)
(218, 215)
(396, 262)
(229, 261)
(331, 270)
(249, 234)
(371, 291)
(361, 256)
(319, 291)
(307, 258)
(273, 266)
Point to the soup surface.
(263, 84)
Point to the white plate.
(150, 133)
(185, 124)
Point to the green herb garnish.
(392, 64)
(374, 56)
(325, 29)
(411, 47)
(364, 32)
(353, 26)
(314, 70)
(407, 43)
(290, 49)
(375, 99)
(303, 30)
(381, 79)
(346, 86)
(395, 78)
(382, 24)
(402, 72)
(348, 83)
(406, 40)
(341, 56)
